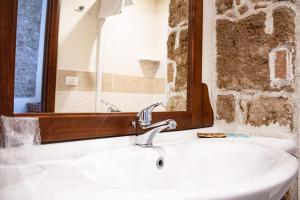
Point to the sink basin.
(195, 170)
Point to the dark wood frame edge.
(50, 56)
(57, 127)
(8, 31)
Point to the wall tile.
(120, 83)
(134, 84)
(107, 82)
(148, 86)
(159, 86)
(86, 81)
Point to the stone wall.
(255, 63)
(178, 55)
(256, 76)
(27, 46)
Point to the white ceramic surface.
(194, 169)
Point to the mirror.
(112, 56)
(57, 127)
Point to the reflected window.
(29, 55)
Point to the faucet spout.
(144, 121)
(145, 140)
(169, 122)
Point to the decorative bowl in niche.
(149, 67)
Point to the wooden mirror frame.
(57, 127)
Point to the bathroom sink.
(197, 170)
(194, 170)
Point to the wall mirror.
(68, 61)
(112, 56)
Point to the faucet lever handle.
(144, 117)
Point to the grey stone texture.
(27, 47)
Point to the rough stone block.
(177, 103)
(243, 49)
(243, 9)
(223, 5)
(258, 1)
(180, 56)
(170, 75)
(178, 12)
(242, 56)
(171, 45)
(284, 26)
(270, 110)
(226, 108)
(181, 78)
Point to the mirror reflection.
(31, 24)
(113, 56)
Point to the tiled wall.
(120, 90)
(86, 80)
(111, 83)
(132, 84)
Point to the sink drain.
(160, 163)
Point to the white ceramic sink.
(194, 170)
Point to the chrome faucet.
(144, 120)
(110, 107)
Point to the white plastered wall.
(139, 32)
(77, 51)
